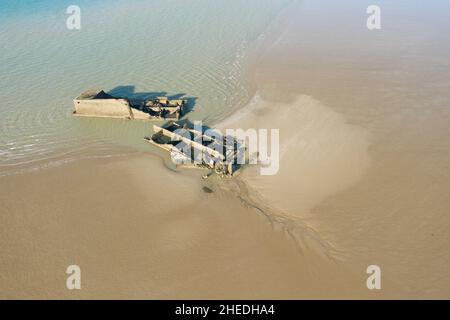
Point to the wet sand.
(363, 180)
(139, 230)
(367, 121)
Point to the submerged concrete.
(94, 103)
(194, 148)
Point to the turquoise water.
(195, 49)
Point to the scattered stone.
(207, 190)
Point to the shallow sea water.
(191, 49)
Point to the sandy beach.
(363, 180)
(366, 123)
(139, 230)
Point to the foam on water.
(137, 48)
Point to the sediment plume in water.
(320, 153)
